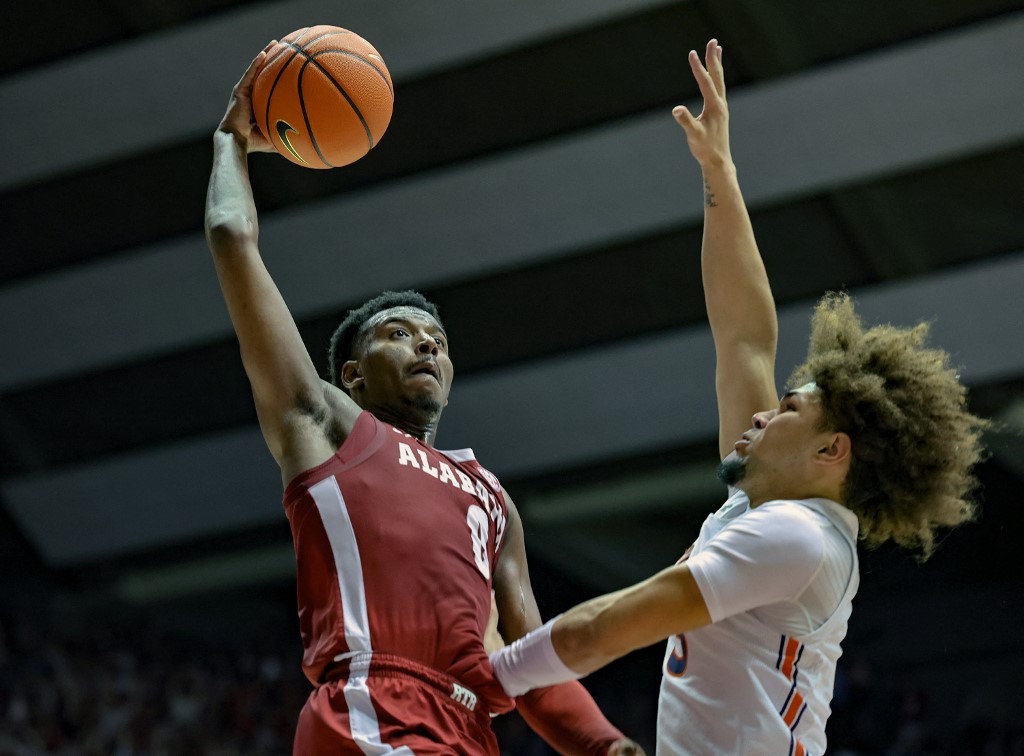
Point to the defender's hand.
(239, 119)
(707, 135)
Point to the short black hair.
(343, 341)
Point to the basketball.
(323, 97)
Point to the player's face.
(775, 456)
(404, 362)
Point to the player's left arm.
(767, 556)
(597, 632)
(564, 715)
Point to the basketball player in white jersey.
(873, 441)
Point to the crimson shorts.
(379, 704)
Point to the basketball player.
(397, 544)
(872, 440)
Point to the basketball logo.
(283, 127)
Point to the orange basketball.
(323, 97)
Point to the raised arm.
(303, 419)
(736, 290)
(564, 715)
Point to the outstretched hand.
(239, 119)
(707, 135)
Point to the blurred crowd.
(129, 690)
(894, 717)
(113, 691)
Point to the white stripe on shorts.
(361, 716)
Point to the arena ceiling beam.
(871, 116)
(156, 102)
(583, 408)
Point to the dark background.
(533, 183)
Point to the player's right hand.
(707, 135)
(239, 119)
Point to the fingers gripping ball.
(323, 97)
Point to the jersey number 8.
(476, 519)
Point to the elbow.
(769, 341)
(758, 342)
(771, 326)
(760, 331)
(229, 230)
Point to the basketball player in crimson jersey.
(874, 441)
(397, 544)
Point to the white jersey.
(778, 581)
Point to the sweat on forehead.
(403, 312)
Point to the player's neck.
(794, 493)
(423, 428)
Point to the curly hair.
(914, 443)
(343, 341)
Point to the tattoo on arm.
(709, 197)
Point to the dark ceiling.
(533, 183)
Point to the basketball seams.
(383, 74)
(270, 94)
(340, 32)
(287, 44)
(363, 60)
(305, 115)
(330, 78)
(334, 33)
(350, 53)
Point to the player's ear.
(837, 447)
(351, 375)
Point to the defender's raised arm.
(736, 290)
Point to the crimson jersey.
(395, 545)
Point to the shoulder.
(784, 529)
(810, 516)
(792, 511)
(766, 555)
